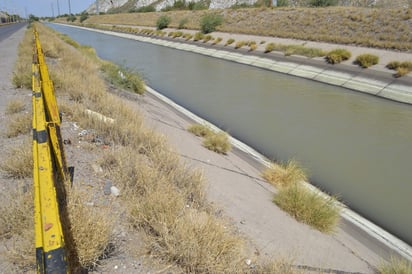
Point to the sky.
(42, 8)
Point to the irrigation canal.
(354, 145)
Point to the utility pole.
(70, 8)
(52, 7)
(58, 8)
(97, 7)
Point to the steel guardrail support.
(49, 170)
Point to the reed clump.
(283, 175)
(15, 106)
(395, 265)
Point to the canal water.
(356, 146)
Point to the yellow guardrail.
(49, 170)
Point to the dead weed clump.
(18, 163)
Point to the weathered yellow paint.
(48, 162)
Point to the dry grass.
(337, 56)
(200, 130)
(19, 124)
(380, 28)
(16, 225)
(15, 106)
(284, 175)
(18, 162)
(16, 211)
(22, 73)
(396, 266)
(308, 207)
(367, 60)
(282, 265)
(164, 199)
(402, 68)
(218, 142)
(91, 226)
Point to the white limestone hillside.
(105, 5)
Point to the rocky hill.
(126, 5)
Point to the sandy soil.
(233, 184)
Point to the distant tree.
(83, 16)
(33, 18)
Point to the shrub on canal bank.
(395, 265)
(123, 78)
(367, 60)
(402, 68)
(217, 142)
(200, 130)
(308, 207)
(283, 175)
(337, 56)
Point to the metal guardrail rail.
(49, 170)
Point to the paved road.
(7, 30)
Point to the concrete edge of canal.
(371, 82)
(367, 81)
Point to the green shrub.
(209, 22)
(367, 60)
(71, 18)
(163, 22)
(283, 3)
(123, 78)
(401, 68)
(187, 36)
(308, 207)
(229, 41)
(323, 3)
(177, 34)
(182, 23)
(84, 16)
(198, 5)
(337, 55)
(149, 8)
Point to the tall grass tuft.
(402, 68)
(284, 175)
(308, 207)
(218, 142)
(367, 60)
(395, 266)
(200, 130)
(337, 56)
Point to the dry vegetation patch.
(19, 124)
(18, 163)
(15, 106)
(372, 27)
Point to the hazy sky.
(43, 7)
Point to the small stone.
(116, 267)
(243, 222)
(97, 168)
(248, 261)
(107, 188)
(115, 191)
